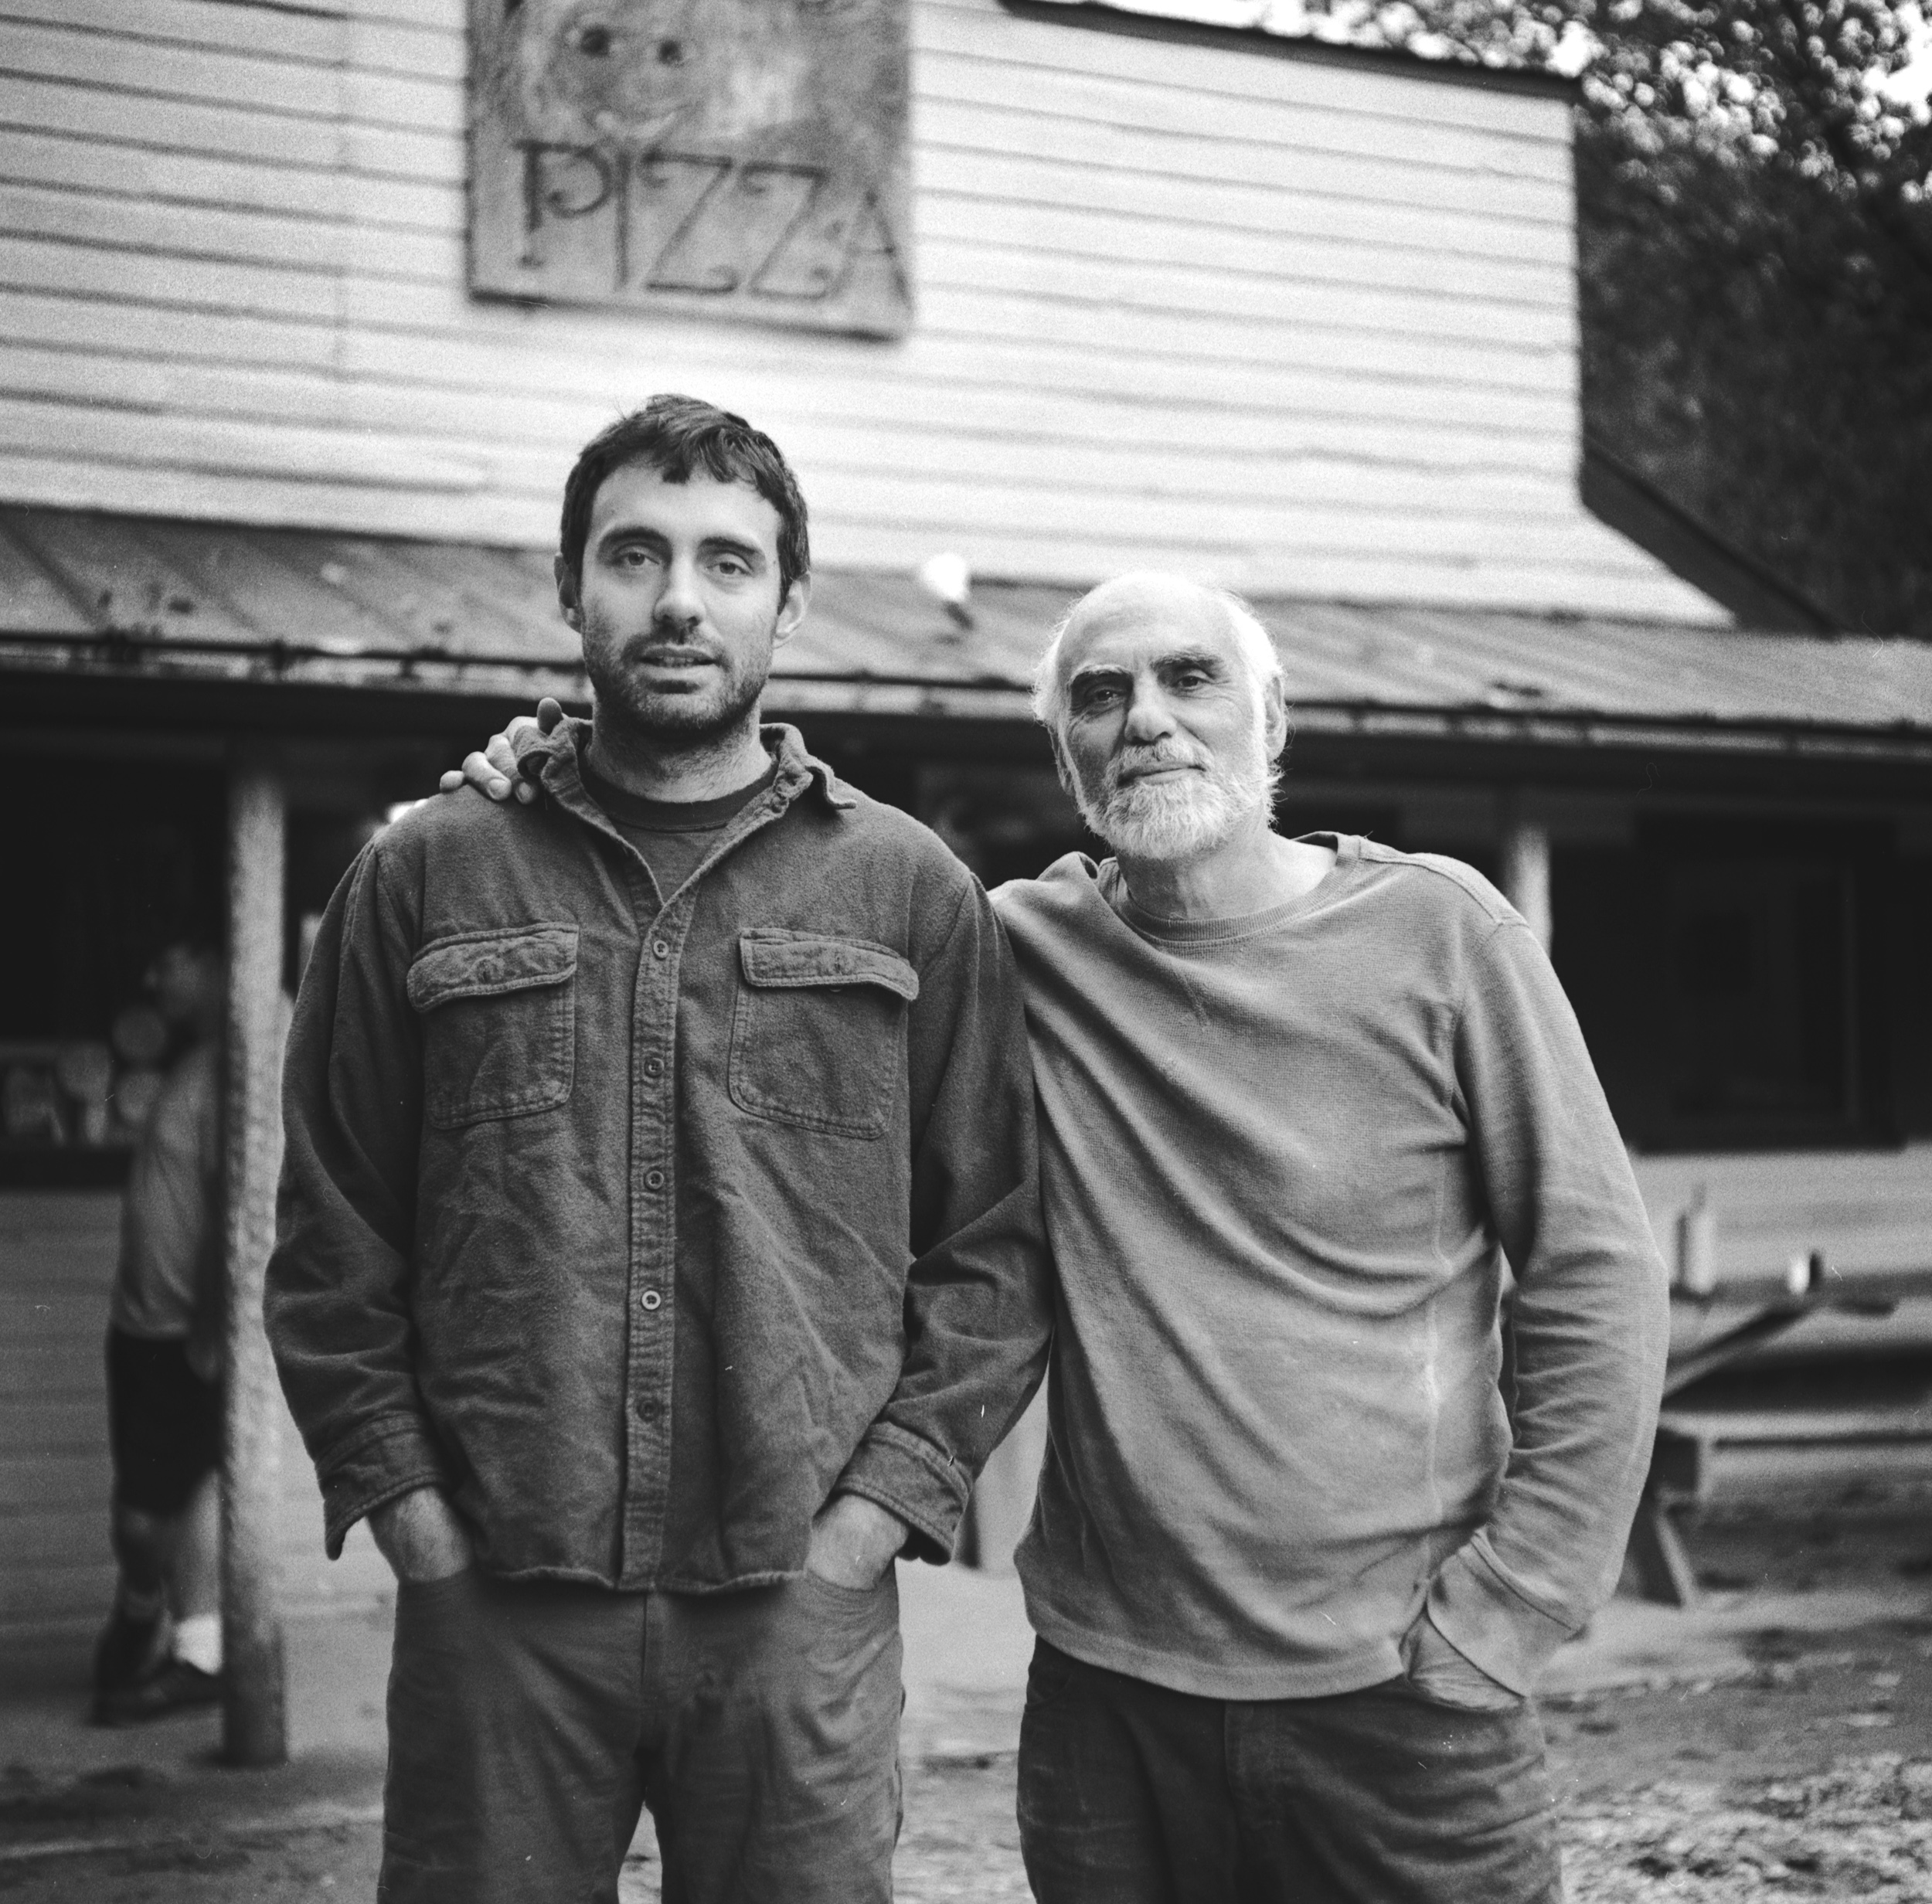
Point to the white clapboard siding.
(1310, 329)
(1324, 464)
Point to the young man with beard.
(659, 1251)
(1311, 1516)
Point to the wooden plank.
(980, 173)
(159, 439)
(1065, 207)
(203, 231)
(440, 16)
(188, 285)
(58, 481)
(199, 23)
(1052, 493)
(1272, 458)
(415, 49)
(1246, 292)
(958, 318)
(139, 172)
(229, 128)
(957, 308)
(937, 498)
(303, 91)
(419, 106)
(1161, 395)
(93, 329)
(980, 28)
(1153, 99)
(418, 47)
(74, 105)
(1263, 339)
(996, 128)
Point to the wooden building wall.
(1309, 328)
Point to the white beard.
(1178, 819)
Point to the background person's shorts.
(164, 1423)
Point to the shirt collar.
(553, 762)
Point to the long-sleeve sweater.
(1283, 1159)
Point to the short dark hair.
(676, 435)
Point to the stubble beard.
(1159, 821)
(681, 723)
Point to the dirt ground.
(1805, 1772)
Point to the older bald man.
(1307, 1527)
(1312, 1516)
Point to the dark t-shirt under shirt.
(673, 836)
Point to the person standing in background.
(161, 1649)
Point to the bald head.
(1188, 611)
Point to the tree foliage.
(1756, 220)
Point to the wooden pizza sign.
(744, 158)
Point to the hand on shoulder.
(496, 772)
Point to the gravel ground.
(1806, 1774)
(1860, 1833)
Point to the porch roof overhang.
(88, 597)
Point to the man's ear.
(791, 611)
(567, 594)
(1275, 717)
(1062, 767)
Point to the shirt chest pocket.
(499, 1022)
(818, 1036)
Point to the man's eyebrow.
(1180, 657)
(1097, 671)
(622, 531)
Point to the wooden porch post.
(254, 1730)
(1525, 867)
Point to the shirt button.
(652, 1299)
(655, 1178)
(654, 1067)
(645, 1406)
(659, 949)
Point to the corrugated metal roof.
(93, 592)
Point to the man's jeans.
(528, 1723)
(1129, 1794)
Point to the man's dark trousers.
(1129, 1794)
(529, 1722)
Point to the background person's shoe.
(129, 1651)
(175, 1688)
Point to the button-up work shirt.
(643, 1229)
